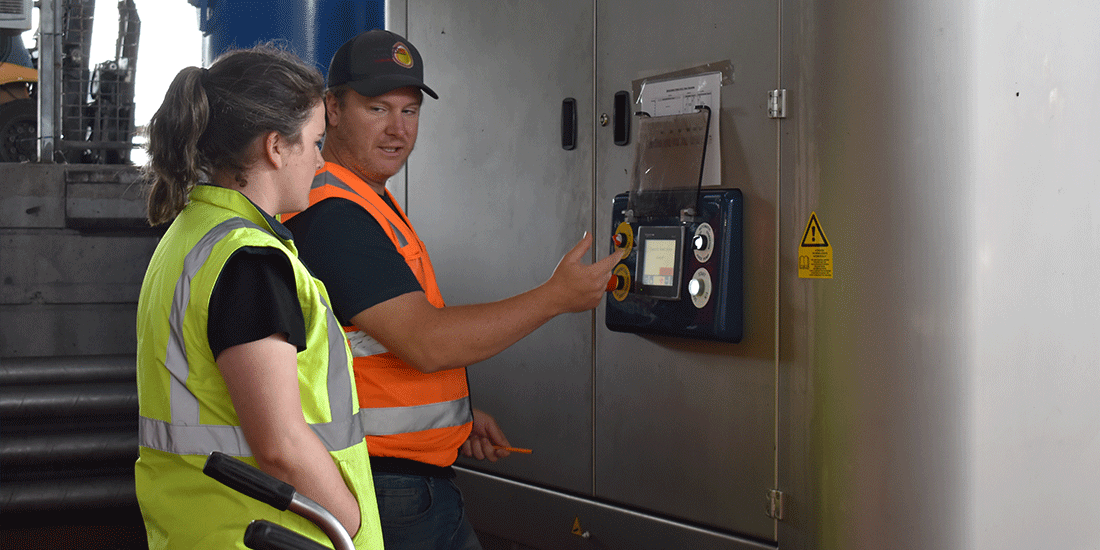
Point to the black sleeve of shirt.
(253, 298)
(344, 247)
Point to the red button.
(616, 283)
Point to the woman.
(238, 350)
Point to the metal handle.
(622, 117)
(324, 519)
(259, 485)
(569, 124)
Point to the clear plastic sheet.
(668, 164)
(723, 67)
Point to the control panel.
(681, 274)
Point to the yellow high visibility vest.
(185, 409)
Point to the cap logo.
(401, 56)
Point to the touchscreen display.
(660, 261)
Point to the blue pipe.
(312, 29)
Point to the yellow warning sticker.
(815, 255)
(577, 526)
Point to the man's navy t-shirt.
(344, 247)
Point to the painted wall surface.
(1034, 412)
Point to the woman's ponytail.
(175, 164)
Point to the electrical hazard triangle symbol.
(577, 526)
(814, 236)
(815, 255)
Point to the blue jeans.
(422, 513)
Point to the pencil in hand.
(513, 449)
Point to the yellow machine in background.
(18, 106)
(90, 118)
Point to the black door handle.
(569, 124)
(622, 117)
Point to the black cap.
(376, 62)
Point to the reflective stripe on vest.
(184, 435)
(362, 345)
(397, 420)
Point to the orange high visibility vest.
(407, 414)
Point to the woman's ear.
(273, 149)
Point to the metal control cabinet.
(681, 429)
(916, 399)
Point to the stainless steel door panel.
(880, 144)
(498, 202)
(683, 427)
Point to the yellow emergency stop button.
(621, 277)
(623, 238)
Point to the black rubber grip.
(622, 118)
(569, 124)
(264, 535)
(248, 480)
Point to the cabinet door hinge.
(775, 504)
(777, 103)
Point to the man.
(410, 349)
